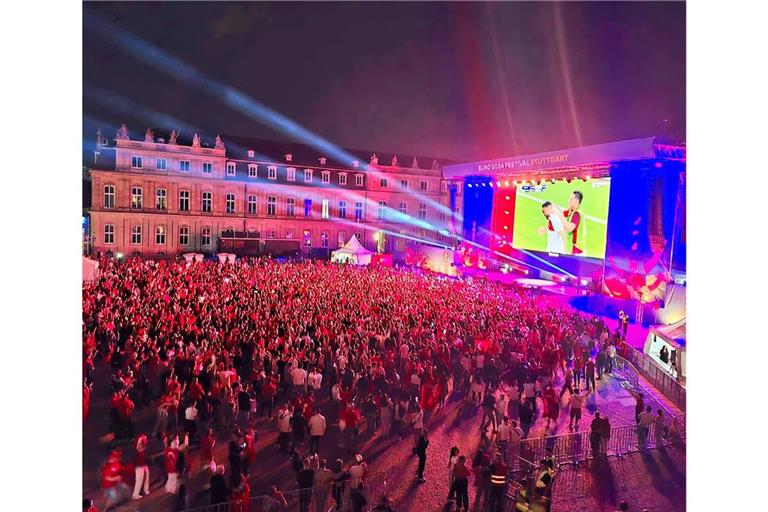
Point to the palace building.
(163, 197)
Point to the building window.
(443, 186)
(342, 178)
(136, 235)
(326, 177)
(324, 239)
(382, 215)
(161, 199)
(207, 167)
(136, 162)
(231, 168)
(358, 211)
(109, 234)
(183, 200)
(423, 186)
(136, 198)
(290, 205)
(271, 206)
(253, 171)
(251, 204)
(307, 238)
(184, 165)
(403, 208)
(207, 202)
(289, 233)
(423, 211)
(442, 216)
(161, 164)
(383, 183)
(251, 153)
(290, 174)
(230, 203)
(307, 207)
(160, 235)
(342, 209)
(109, 196)
(307, 175)
(325, 213)
(205, 236)
(358, 180)
(404, 183)
(272, 172)
(184, 235)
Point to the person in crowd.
(171, 459)
(421, 452)
(644, 427)
(317, 428)
(305, 480)
(115, 491)
(639, 403)
(659, 428)
(498, 478)
(141, 468)
(461, 483)
(275, 500)
(322, 486)
(453, 458)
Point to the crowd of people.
(219, 349)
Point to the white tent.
(90, 269)
(672, 337)
(352, 252)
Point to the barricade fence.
(578, 447)
(658, 377)
(332, 497)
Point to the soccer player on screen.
(555, 229)
(572, 221)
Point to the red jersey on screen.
(575, 219)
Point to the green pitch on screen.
(593, 209)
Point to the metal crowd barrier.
(576, 448)
(659, 378)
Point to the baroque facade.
(161, 197)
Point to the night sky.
(462, 81)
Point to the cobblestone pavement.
(393, 466)
(654, 480)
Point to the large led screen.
(563, 218)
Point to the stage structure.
(608, 217)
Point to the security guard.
(498, 483)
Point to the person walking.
(461, 484)
(498, 483)
(322, 486)
(141, 485)
(305, 481)
(644, 427)
(589, 374)
(453, 458)
(575, 403)
(421, 452)
(659, 428)
(317, 428)
(503, 437)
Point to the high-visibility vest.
(499, 474)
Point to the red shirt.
(460, 471)
(171, 457)
(111, 474)
(574, 218)
(195, 391)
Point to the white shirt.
(315, 379)
(555, 242)
(317, 425)
(190, 413)
(299, 376)
(284, 421)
